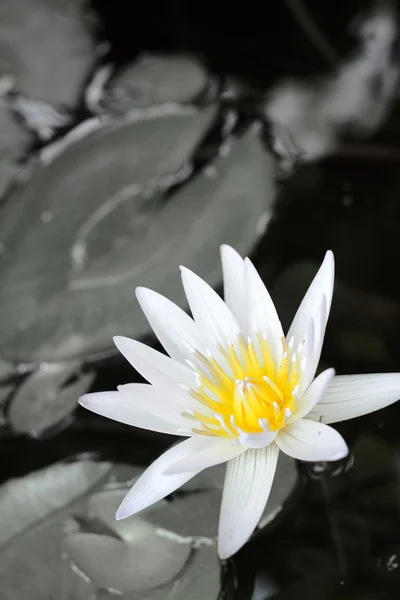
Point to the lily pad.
(13, 143)
(46, 398)
(63, 553)
(26, 501)
(38, 37)
(57, 210)
(71, 306)
(146, 556)
(148, 561)
(155, 79)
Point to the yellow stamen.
(250, 392)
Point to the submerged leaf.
(155, 79)
(27, 500)
(46, 398)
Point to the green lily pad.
(155, 79)
(71, 306)
(146, 562)
(13, 143)
(26, 501)
(57, 541)
(38, 37)
(45, 399)
(148, 552)
(59, 204)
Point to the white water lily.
(238, 389)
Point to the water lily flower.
(238, 389)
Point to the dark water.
(338, 535)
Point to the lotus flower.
(238, 389)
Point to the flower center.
(245, 390)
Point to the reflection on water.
(103, 187)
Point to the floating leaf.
(103, 506)
(13, 144)
(45, 398)
(38, 37)
(27, 500)
(50, 510)
(147, 561)
(155, 79)
(60, 206)
(146, 555)
(73, 308)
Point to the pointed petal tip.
(125, 509)
(329, 261)
(141, 292)
(226, 250)
(185, 272)
(224, 553)
(121, 513)
(120, 341)
(227, 548)
(329, 254)
(85, 400)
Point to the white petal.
(261, 313)
(234, 290)
(315, 306)
(257, 440)
(314, 340)
(350, 396)
(218, 450)
(157, 368)
(312, 395)
(176, 331)
(311, 441)
(209, 311)
(161, 402)
(247, 486)
(118, 407)
(154, 485)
